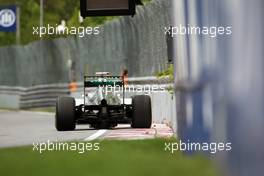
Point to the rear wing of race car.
(97, 81)
(103, 81)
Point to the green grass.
(129, 158)
(50, 109)
(7, 109)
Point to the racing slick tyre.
(65, 114)
(141, 114)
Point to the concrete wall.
(163, 109)
(9, 101)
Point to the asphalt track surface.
(20, 128)
(23, 128)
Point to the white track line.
(95, 135)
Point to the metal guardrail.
(36, 96)
(46, 95)
(11, 90)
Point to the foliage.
(167, 73)
(54, 12)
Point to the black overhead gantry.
(108, 7)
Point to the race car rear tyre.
(65, 114)
(141, 114)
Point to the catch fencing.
(136, 43)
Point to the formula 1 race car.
(103, 106)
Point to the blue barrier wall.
(224, 97)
